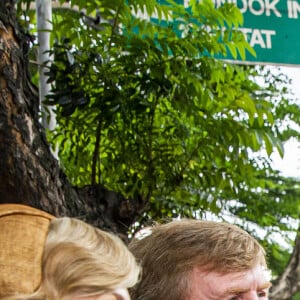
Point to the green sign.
(271, 28)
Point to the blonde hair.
(170, 253)
(81, 260)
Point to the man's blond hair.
(170, 253)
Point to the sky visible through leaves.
(290, 164)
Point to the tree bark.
(288, 283)
(29, 174)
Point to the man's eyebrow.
(237, 290)
(266, 285)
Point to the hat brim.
(23, 231)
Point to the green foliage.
(146, 109)
(296, 297)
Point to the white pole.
(44, 27)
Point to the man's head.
(173, 253)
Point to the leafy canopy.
(146, 109)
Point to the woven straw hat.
(23, 231)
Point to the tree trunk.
(29, 174)
(288, 283)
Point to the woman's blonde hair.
(81, 260)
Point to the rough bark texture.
(289, 282)
(29, 173)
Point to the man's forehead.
(219, 284)
(239, 290)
